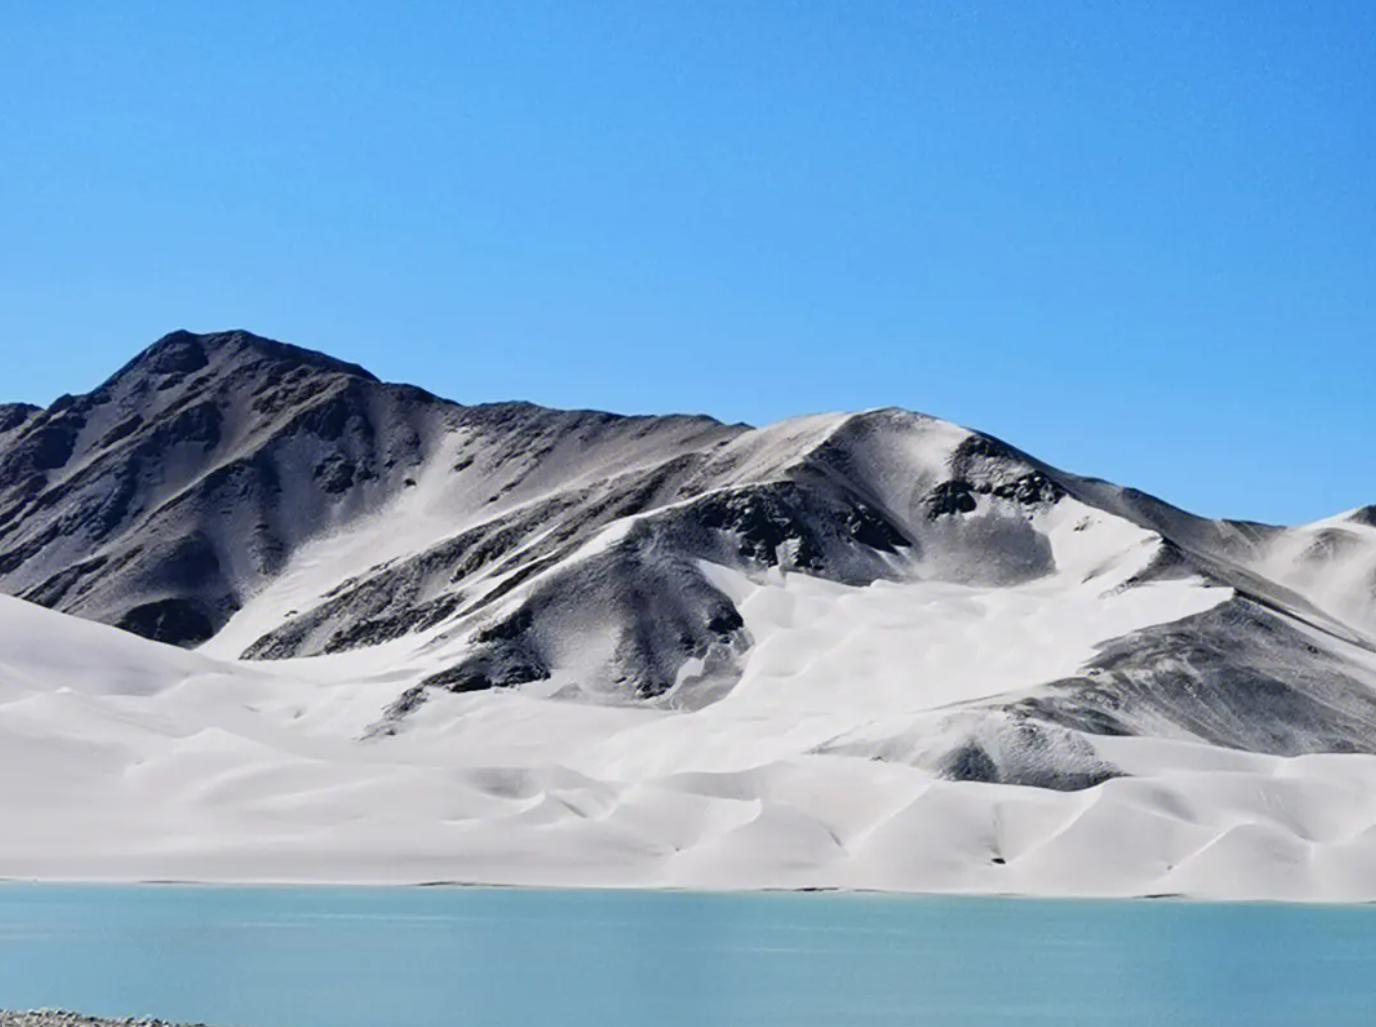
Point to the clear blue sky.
(1138, 239)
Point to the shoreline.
(1153, 899)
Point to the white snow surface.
(122, 759)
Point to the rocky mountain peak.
(156, 500)
(13, 415)
(182, 353)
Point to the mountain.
(861, 627)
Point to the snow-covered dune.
(830, 765)
(428, 642)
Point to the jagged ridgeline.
(231, 488)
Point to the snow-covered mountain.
(513, 644)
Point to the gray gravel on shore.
(63, 1018)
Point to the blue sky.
(1138, 240)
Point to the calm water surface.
(360, 957)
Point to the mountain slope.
(164, 498)
(372, 573)
(152, 502)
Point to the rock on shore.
(65, 1018)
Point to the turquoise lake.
(441, 957)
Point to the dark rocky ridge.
(155, 501)
(1240, 675)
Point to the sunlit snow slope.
(431, 642)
